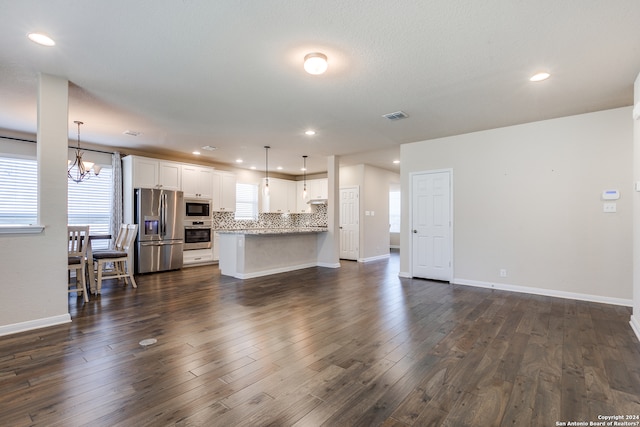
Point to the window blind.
(18, 191)
(89, 202)
(246, 202)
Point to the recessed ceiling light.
(310, 132)
(315, 63)
(303, 169)
(197, 153)
(540, 77)
(253, 168)
(208, 148)
(395, 162)
(41, 39)
(239, 160)
(279, 168)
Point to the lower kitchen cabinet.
(197, 257)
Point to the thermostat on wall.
(610, 195)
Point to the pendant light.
(80, 170)
(266, 170)
(304, 170)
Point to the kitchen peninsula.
(252, 253)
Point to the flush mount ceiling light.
(41, 39)
(538, 77)
(208, 148)
(79, 170)
(315, 63)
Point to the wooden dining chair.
(78, 244)
(119, 257)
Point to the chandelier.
(80, 170)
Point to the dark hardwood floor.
(355, 346)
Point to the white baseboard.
(34, 324)
(329, 265)
(404, 275)
(262, 273)
(394, 246)
(635, 325)
(374, 258)
(545, 292)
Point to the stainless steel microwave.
(197, 209)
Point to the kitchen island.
(252, 253)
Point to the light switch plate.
(609, 207)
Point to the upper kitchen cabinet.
(152, 173)
(317, 189)
(281, 198)
(197, 182)
(224, 192)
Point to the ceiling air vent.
(398, 115)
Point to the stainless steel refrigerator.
(159, 215)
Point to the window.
(246, 202)
(89, 202)
(394, 211)
(18, 191)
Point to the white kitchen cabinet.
(152, 173)
(316, 189)
(197, 182)
(224, 192)
(197, 257)
(282, 196)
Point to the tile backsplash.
(317, 218)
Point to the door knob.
(415, 231)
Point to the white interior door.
(349, 223)
(431, 225)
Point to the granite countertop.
(275, 231)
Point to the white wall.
(527, 199)
(374, 186)
(635, 318)
(33, 270)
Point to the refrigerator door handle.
(163, 214)
(161, 243)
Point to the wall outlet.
(503, 272)
(609, 207)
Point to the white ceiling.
(228, 73)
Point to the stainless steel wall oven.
(198, 234)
